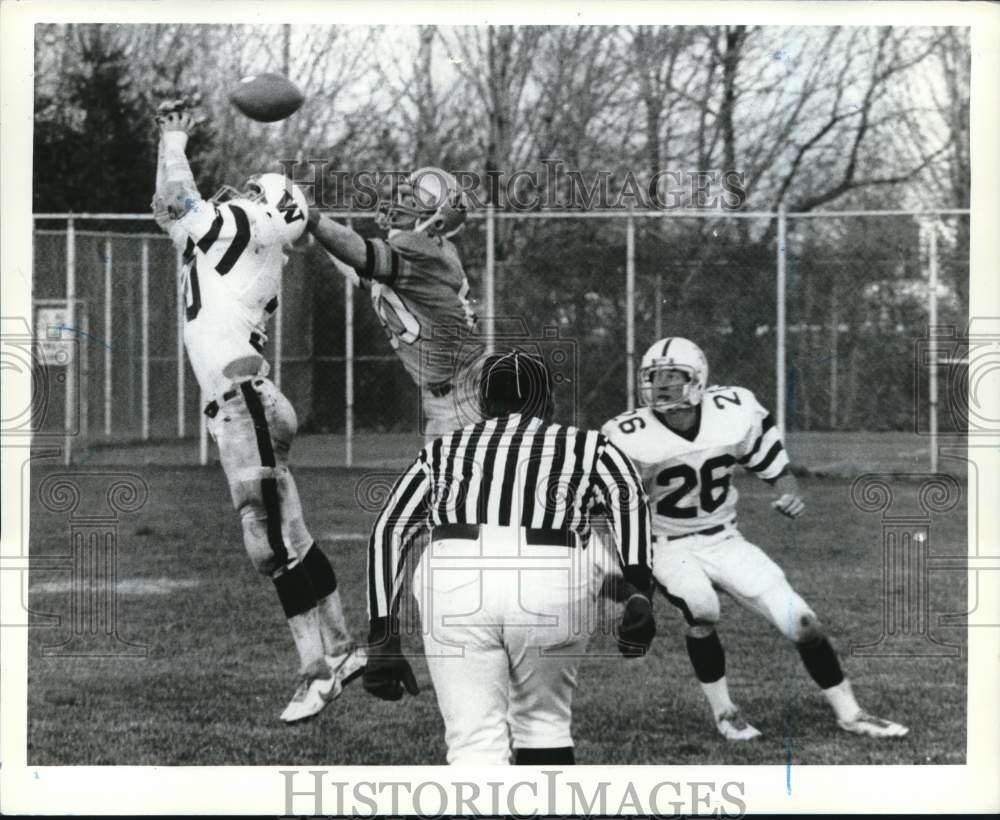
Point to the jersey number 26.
(714, 489)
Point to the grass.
(220, 662)
(838, 454)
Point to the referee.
(506, 586)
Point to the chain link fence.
(842, 299)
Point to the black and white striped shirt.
(509, 471)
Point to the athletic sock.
(841, 698)
(823, 666)
(332, 623)
(717, 694)
(709, 661)
(298, 600)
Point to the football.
(267, 97)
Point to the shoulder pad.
(746, 396)
(415, 243)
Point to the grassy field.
(840, 454)
(220, 663)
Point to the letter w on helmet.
(278, 192)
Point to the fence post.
(348, 369)
(630, 311)
(779, 356)
(489, 277)
(277, 332)
(71, 323)
(145, 339)
(932, 346)
(658, 309)
(84, 352)
(202, 430)
(107, 337)
(834, 350)
(180, 342)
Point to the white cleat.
(733, 726)
(349, 665)
(864, 724)
(317, 687)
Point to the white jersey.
(233, 257)
(689, 480)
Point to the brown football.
(267, 97)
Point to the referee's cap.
(515, 381)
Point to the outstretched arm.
(175, 188)
(344, 243)
(176, 194)
(181, 181)
(788, 502)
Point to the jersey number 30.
(714, 489)
(192, 293)
(396, 318)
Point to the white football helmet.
(278, 192)
(430, 200)
(667, 356)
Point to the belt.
(439, 390)
(532, 536)
(709, 531)
(212, 408)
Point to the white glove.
(789, 505)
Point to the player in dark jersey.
(418, 287)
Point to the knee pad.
(262, 540)
(274, 531)
(791, 614)
(808, 628)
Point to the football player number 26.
(713, 492)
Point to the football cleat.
(864, 724)
(733, 726)
(318, 685)
(349, 665)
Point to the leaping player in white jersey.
(685, 442)
(233, 257)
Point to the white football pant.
(691, 569)
(254, 432)
(505, 625)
